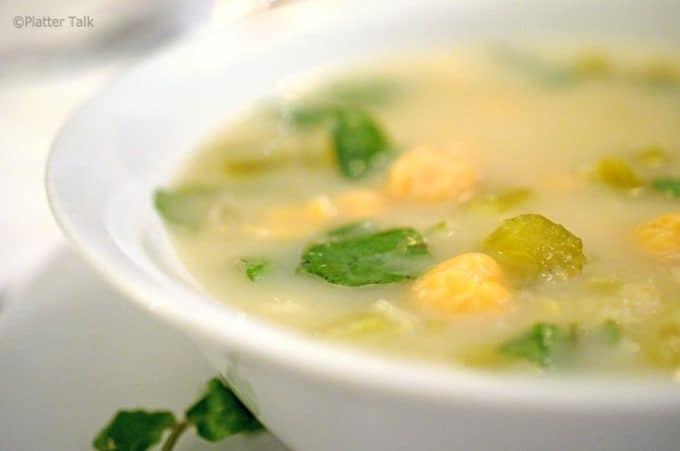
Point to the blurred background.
(54, 54)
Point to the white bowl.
(128, 140)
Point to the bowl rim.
(312, 358)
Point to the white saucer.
(72, 353)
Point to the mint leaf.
(378, 258)
(134, 430)
(360, 144)
(255, 267)
(537, 345)
(219, 414)
(186, 207)
(667, 185)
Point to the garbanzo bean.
(426, 174)
(468, 283)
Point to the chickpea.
(661, 236)
(425, 174)
(468, 283)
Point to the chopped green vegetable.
(255, 267)
(500, 202)
(220, 414)
(538, 345)
(378, 258)
(187, 207)
(611, 332)
(531, 247)
(358, 325)
(667, 185)
(134, 430)
(351, 230)
(359, 142)
(617, 173)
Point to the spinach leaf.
(381, 257)
(667, 185)
(537, 345)
(219, 414)
(134, 430)
(359, 142)
(255, 267)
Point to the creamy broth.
(589, 140)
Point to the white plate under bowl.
(72, 353)
(128, 140)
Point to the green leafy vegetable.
(617, 173)
(531, 247)
(667, 185)
(255, 267)
(359, 142)
(134, 430)
(378, 258)
(220, 414)
(186, 207)
(538, 345)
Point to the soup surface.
(497, 208)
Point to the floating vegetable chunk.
(426, 174)
(661, 236)
(359, 142)
(618, 173)
(467, 283)
(378, 258)
(538, 345)
(532, 247)
(671, 186)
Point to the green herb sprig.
(216, 415)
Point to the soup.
(497, 208)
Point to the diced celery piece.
(618, 173)
(667, 185)
(186, 207)
(532, 247)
